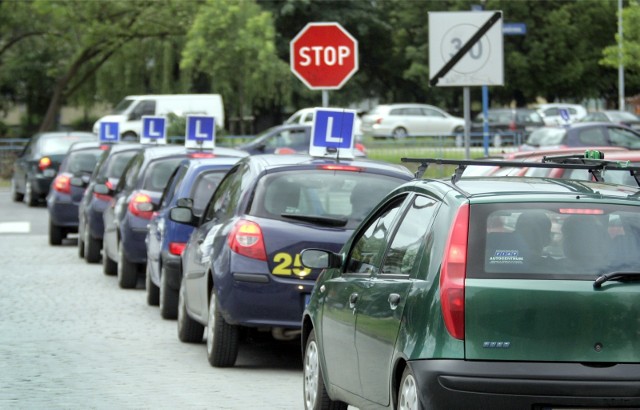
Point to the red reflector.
(340, 168)
(246, 239)
(141, 206)
(62, 184)
(201, 155)
(453, 274)
(581, 211)
(176, 248)
(45, 162)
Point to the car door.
(434, 122)
(342, 297)
(380, 305)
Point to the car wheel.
(15, 195)
(80, 245)
(56, 234)
(127, 271)
(408, 392)
(168, 298)
(222, 338)
(399, 133)
(189, 331)
(29, 198)
(153, 293)
(109, 266)
(315, 394)
(91, 247)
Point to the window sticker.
(506, 256)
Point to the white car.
(305, 116)
(410, 120)
(552, 113)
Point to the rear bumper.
(458, 384)
(62, 211)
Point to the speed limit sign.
(472, 41)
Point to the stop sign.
(324, 55)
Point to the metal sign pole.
(466, 95)
(325, 98)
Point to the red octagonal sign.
(324, 55)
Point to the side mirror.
(319, 259)
(182, 215)
(102, 189)
(185, 203)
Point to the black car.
(37, 165)
(110, 167)
(507, 126)
(583, 134)
(68, 188)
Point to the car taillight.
(246, 239)
(45, 162)
(201, 155)
(176, 248)
(104, 197)
(333, 167)
(512, 126)
(140, 205)
(378, 120)
(62, 184)
(453, 273)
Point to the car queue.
(406, 293)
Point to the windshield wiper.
(615, 276)
(323, 220)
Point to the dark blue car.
(110, 167)
(241, 266)
(135, 198)
(192, 183)
(68, 187)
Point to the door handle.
(394, 300)
(353, 298)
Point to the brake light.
(379, 120)
(62, 184)
(45, 162)
(246, 239)
(176, 248)
(332, 167)
(453, 273)
(104, 197)
(201, 155)
(140, 205)
(104, 147)
(578, 211)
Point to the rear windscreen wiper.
(322, 220)
(615, 276)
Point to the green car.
(481, 293)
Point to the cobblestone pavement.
(70, 338)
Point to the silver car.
(410, 120)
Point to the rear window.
(546, 136)
(553, 241)
(117, 164)
(60, 144)
(158, 173)
(332, 198)
(82, 161)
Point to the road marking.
(15, 227)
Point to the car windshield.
(60, 144)
(546, 136)
(564, 241)
(122, 106)
(333, 198)
(158, 173)
(528, 116)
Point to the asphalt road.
(71, 338)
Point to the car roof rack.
(593, 161)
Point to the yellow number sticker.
(286, 265)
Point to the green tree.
(233, 43)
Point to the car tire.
(56, 234)
(127, 271)
(168, 298)
(81, 246)
(222, 338)
(91, 247)
(29, 198)
(189, 331)
(399, 133)
(153, 293)
(408, 392)
(314, 392)
(15, 195)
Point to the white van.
(128, 113)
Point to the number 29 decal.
(287, 265)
